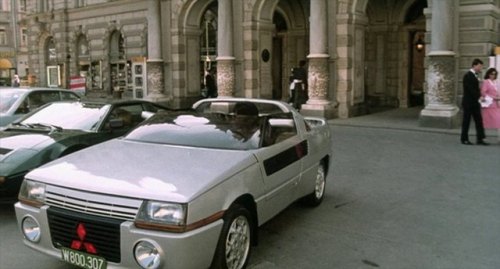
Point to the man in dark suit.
(211, 83)
(299, 89)
(471, 106)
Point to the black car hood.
(14, 139)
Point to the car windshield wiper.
(21, 124)
(46, 125)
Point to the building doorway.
(6, 72)
(416, 74)
(415, 21)
(277, 55)
(277, 64)
(118, 65)
(208, 52)
(53, 69)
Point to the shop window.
(24, 37)
(22, 5)
(3, 37)
(81, 3)
(45, 5)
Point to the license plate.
(82, 259)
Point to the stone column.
(154, 63)
(441, 110)
(317, 75)
(225, 57)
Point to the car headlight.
(31, 229)
(147, 255)
(161, 216)
(32, 193)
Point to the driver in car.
(246, 121)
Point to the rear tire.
(316, 197)
(233, 248)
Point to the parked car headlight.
(161, 216)
(32, 193)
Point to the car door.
(281, 166)
(310, 160)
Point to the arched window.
(116, 46)
(50, 52)
(208, 40)
(208, 51)
(83, 48)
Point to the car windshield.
(198, 129)
(8, 97)
(69, 115)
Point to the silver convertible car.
(182, 190)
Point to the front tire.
(233, 248)
(316, 197)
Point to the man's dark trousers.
(471, 107)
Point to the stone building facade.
(13, 41)
(362, 54)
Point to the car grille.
(102, 233)
(94, 204)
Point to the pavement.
(398, 196)
(407, 119)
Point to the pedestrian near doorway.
(16, 82)
(471, 106)
(490, 96)
(210, 83)
(292, 87)
(298, 85)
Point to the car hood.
(145, 171)
(12, 140)
(16, 140)
(23, 151)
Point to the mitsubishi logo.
(81, 244)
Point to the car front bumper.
(193, 249)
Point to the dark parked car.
(60, 128)
(16, 102)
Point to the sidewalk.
(404, 119)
